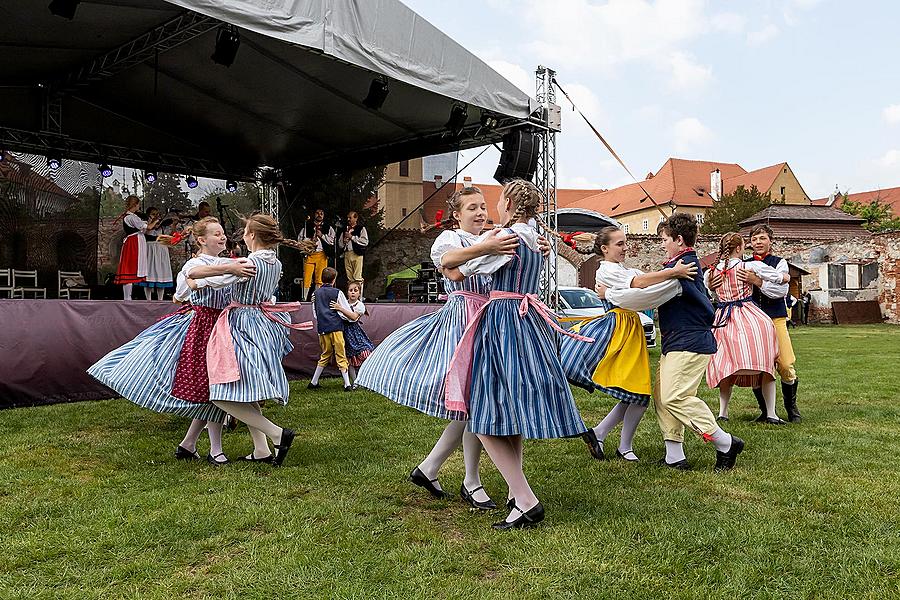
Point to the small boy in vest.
(330, 310)
(685, 322)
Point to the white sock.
(721, 439)
(633, 415)
(725, 390)
(346, 377)
(768, 392)
(147, 292)
(316, 375)
(352, 370)
(159, 293)
(126, 290)
(610, 421)
(674, 452)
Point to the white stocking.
(449, 441)
(506, 456)
(126, 290)
(725, 389)
(610, 421)
(768, 392)
(472, 458)
(249, 414)
(192, 435)
(147, 293)
(632, 417)
(316, 375)
(159, 293)
(215, 438)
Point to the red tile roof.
(886, 196)
(761, 178)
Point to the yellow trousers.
(313, 267)
(785, 360)
(353, 264)
(332, 344)
(675, 401)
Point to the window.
(645, 225)
(581, 298)
(661, 218)
(402, 212)
(782, 192)
(404, 170)
(626, 228)
(699, 217)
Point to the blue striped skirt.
(143, 370)
(259, 346)
(518, 384)
(410, 365)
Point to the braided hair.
(268, 232)
(727, 244)
(526, 198)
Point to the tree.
(878, 216)
(244, 201)
(165, 193)
(733, 208)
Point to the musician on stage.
(318, 238)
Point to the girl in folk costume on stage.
(358, 344)
(410, 365)
(159, 267)
(745, 335)
(164, 367)
(250, 339)
(617, 362)
(505, 373)
(133, 256)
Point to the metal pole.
(545, 176)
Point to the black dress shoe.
(314, 386)
(230, 423)
(594, 445)
(468, 497)
(212, 459)
(419, 478)
(182, 453)
(349, 388)
(510, 503)
(774, 421)
(681, 465)
(722, 419)
(281, 450)
(527, 519)
(725, 460)
(265, 459)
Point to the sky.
(813, 83)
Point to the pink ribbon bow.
(221, 360)
(459, 376)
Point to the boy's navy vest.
(357, 248)
(327, 319)
(685, 321)
(774, 307)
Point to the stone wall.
(645, 252)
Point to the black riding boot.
(762, 404)
(789, 391)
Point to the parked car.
(577, 304)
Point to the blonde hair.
(527, 199)
(267, 231)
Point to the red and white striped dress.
(747, 345)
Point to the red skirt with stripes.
(129, 262)
(191, 381)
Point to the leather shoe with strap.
(595, 446)
(419, 478)
(281, 449)
(526, 519)
(468, 496)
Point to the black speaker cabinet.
(519, 156)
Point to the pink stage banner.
(47, 345)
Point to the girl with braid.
(617, 362)
(505, 374)
(745, 335)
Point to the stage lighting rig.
(227, 42)
(191, 181)
(105, 170)
(64, 8)
(231, 186)
(150, 176)
(54, 162)
(459, 114)
(378, 93)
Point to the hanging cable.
(608, 147)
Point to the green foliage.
(878, 216)
(165, 193)
(733, 208)
(93, 505)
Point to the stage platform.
(47, 345)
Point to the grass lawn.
(92, 503)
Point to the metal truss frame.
(545, 178)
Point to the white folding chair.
(19, 290)
(6, 282)
(71, 283)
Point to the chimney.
(715, 185)
(467, 182)
(438, 181)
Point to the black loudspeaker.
(519, 156)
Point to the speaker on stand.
(519, 157)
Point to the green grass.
(92, 504)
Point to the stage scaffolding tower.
(267, 180)
(545, 176)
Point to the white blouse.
(487, 265)
(618, 279)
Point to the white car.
(577, 304)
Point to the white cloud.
(579, 183)
(584, 99)
(691, 135)
(687, 74)
(761, 36)
(515, 74)
(728, 22)
(891, 114)
(890, 159)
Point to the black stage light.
(2, 154)
(150, 176)
(489, 121)
(191, 181)
(231, 186)
(105, 170)
(459, 114)
(54, 162)
(378, 92)
(64, 8)
(227, 42)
